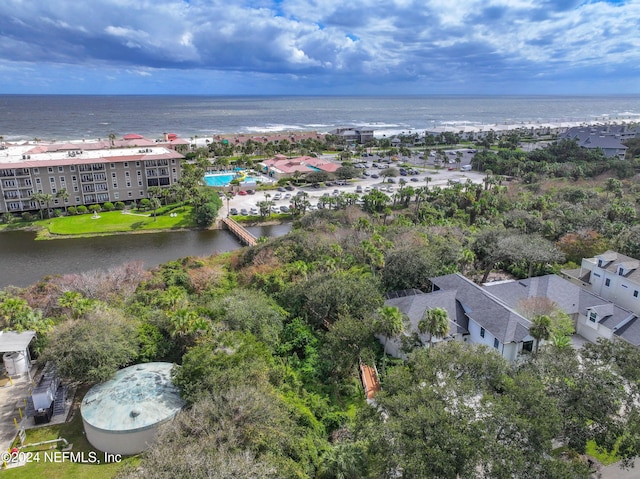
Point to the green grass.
(73, 432)
(116, 222)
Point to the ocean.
(73, 117)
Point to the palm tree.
(155, 204)
(47, 198)
(389, 323)
(435, 323)
(112, 139)
(39, 200)
(541, 329)
(63, 194)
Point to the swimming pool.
(223, 179)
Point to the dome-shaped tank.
(121, 416)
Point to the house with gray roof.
(594, 317)
(608, 138)
(611, 275)
(476, 316)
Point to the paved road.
(614, 471)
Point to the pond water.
(24, 261)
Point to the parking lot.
(361, 186)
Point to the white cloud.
(359, 41)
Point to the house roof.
(571, 299)
(487, 310)
(612, 260)
(414, 306)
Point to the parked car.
(233, 211)
(275, 209)
(251, 192)
(254, 212)
(359, 189)
(244, 212)
(375, 176)
(284, 209)
(242, 193)
(415, 179)
(366, 173)
(281, 188)
(289, 188)
(277, 196)
(287, 196)
(390, 180)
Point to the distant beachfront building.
(91, 171)
(608, 138)
(354, 135)
(282, 167)
(275, 138)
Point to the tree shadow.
(137, 225)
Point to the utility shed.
(122, 415)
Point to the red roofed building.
(282, 167)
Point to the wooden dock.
(242, 234)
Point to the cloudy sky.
(320, 46)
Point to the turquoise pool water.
(223, 179)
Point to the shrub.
(145, 204)
(27, 216)
(119, 205)
(7, 218)
(71, 210)
(108, 206)
(94, 208)
(82, 210)
(57, 213)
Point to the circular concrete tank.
(15, 363)
(122, 415)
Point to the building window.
(113, 175)
(36, 171)
(527, 346)
(496, 343)
(482, 332)
(635, 293)
(50, 170)
(128, 184)
(115, 185)
(74, 178)
(116, 195)
(112, 165)
(72, 168)
(593, 316)
(52, 180)
(130, 194)
(126, 164)
(137, 163)
(75, 188)
(140, 183)
(62, 179)
(607, 282)
(126, 173)
(139, 173)
(60, 169)
(77, 199)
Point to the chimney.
(165, 136)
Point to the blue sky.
(320, 47)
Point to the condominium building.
(89, 171)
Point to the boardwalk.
(242, 234)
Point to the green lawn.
(51, 466)
(116, 222)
